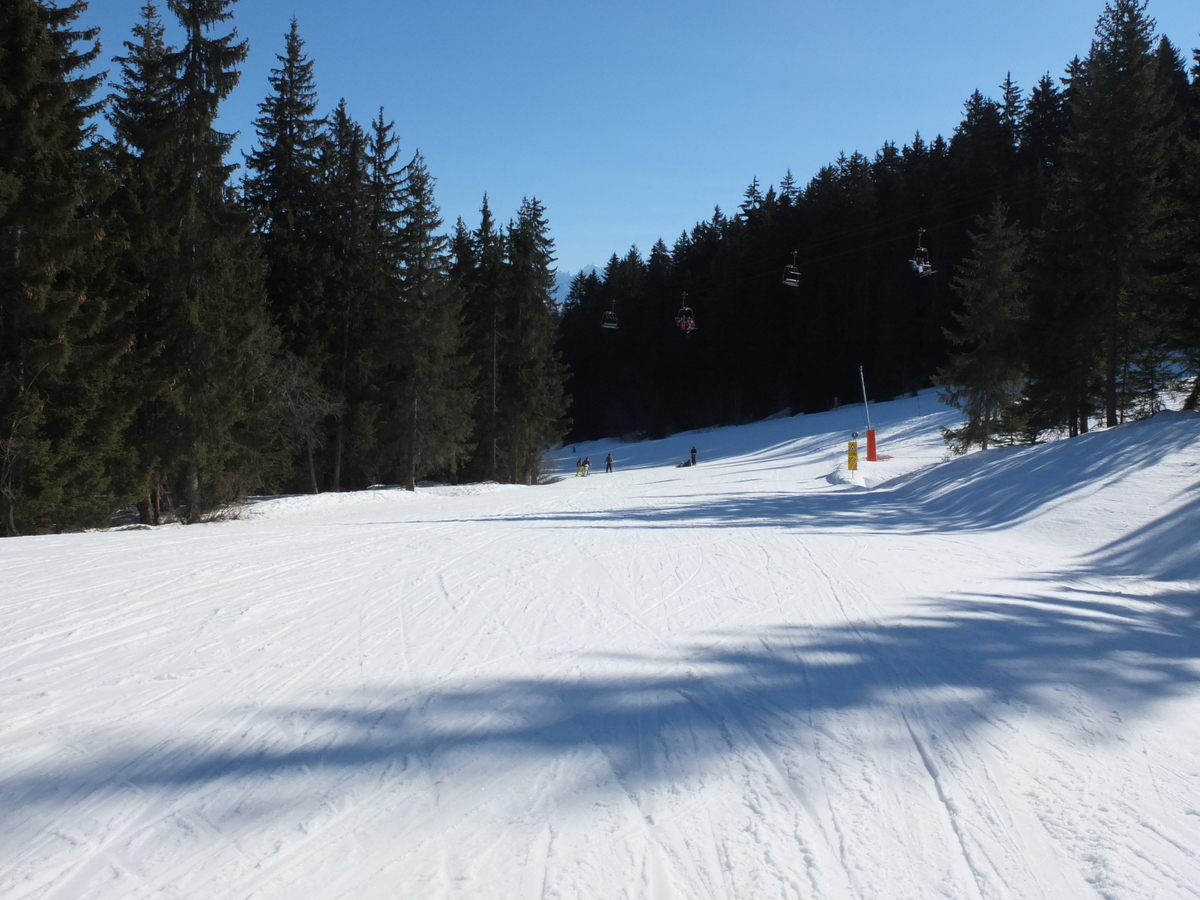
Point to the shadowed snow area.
(764, 676)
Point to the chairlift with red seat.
(685, 319)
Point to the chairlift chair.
(920, 262)
(685, 319)
(791, 275)
(609, 319)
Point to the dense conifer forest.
(176, 334)
(1063, 227)
(179, 330)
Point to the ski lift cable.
(922, 216)
(765, 276)
(866, 229)
(762, 276)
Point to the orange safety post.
(871, 454)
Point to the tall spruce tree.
(1187, 296)
(482, 273)
(345, 315)
(202, 302)
(222, 277)
(141, 110)
(283, 192)
(532, 403)
(432, 407)
(1041, 134)
(55, 442)
(985, 380)
(1104, 225)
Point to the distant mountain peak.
(562, 281)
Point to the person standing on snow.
(608, 463)
(693, 456)
(587, 465)
(579, 467)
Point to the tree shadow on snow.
(970, 661)
(978, 492)
(1167, 549)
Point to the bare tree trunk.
(150, 509)
(1110, 375)
(8, 462)
(312, 472)
(8, 494)
(337, 454)
(411, 476)
(192, 488)
(10, 524)
(1193, 399)
(341, 427)
(514, 467)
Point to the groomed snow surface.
(756, 678)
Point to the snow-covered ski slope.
(976, 678)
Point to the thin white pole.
(863, 379)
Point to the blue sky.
(629, 120)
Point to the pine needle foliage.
(985, 380)
(57, 440)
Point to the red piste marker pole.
(872, 456)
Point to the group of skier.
(584, 465)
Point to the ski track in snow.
(762, 677)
